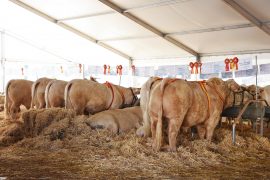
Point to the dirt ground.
(59, 145)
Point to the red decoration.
(196, 64)
(191, 65)
(109, 69)
(235, 61)
(120, 70)
(22, 71)
(80, 67)
(227, 62)
(105, 68)
(231, 64)
(117, 69)
(133, 69)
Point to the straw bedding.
(55, 143)
(2, 101)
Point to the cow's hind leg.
(14, 110)
(212, 123)
(201, 131)
(79, 110)
(153, 129)
(174, 127)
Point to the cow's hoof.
(167, 148)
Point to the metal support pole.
(233, 132)
(262, 116)
(256, 77)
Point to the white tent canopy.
(143, 33)
(163, 28)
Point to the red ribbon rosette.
(120, 70)
(80, 67)
(109, 69)
(196, 64)
(227, 62)
(133, 69)
(117, 69)
(191, 65)
(231, 64)
(105, 68)
(235, 61)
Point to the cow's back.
(117, 120)
(19, 91)
(86, 96)
(56, 93)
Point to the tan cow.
(265, 94)
(117, 120)
(185, 104)
(18, 92)
(145, 130)
(252, 90)
(54, 93)
(88, 97)
(38, 93)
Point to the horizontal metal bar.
(260, 51)
(148, 27)
(127, 38)
(222, 28)
(155, 4)
(67, 27)
(246, 14)
(86, 16)
(195, 31)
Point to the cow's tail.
(159, 135)
(47, 94)
(146, 118)
(67, 98)
(33, 92)
(7, 100)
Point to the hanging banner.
(145, 71)
(220, 66)
(265, 68)
(245, 63)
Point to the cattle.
(145, 130)
(185, 104)
(18, 92)
(252, 89)
(118, 120)
(88, 97)
(54, 93)
(265, 94)
(38, 93)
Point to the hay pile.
(68, 148)
(2, 102)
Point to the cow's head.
(233, 86)
(252, 89)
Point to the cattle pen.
(145, 89)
